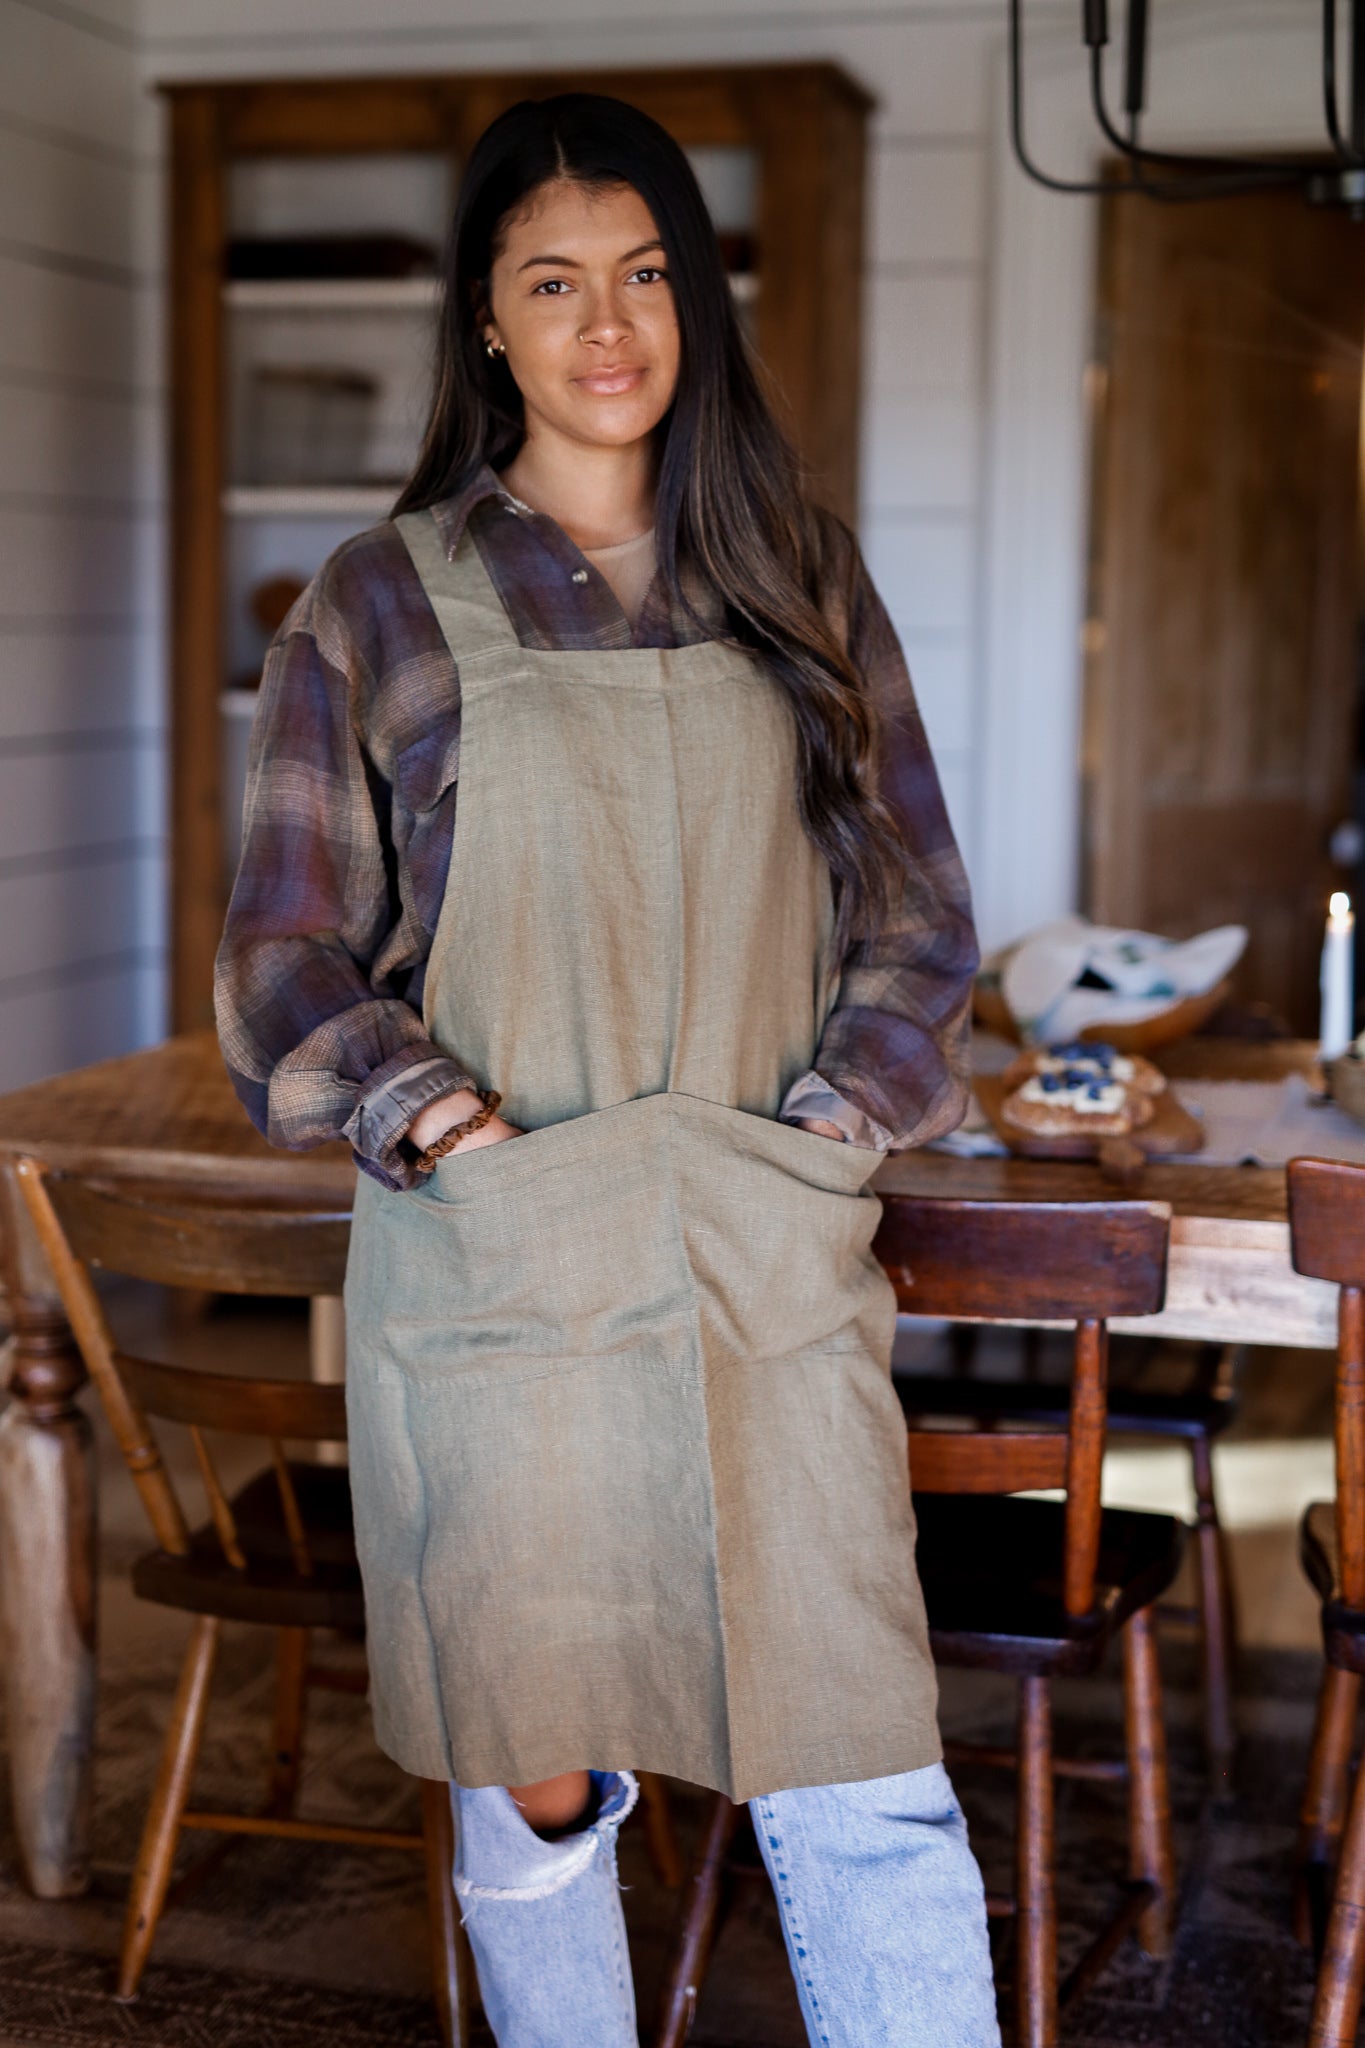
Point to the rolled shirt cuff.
(390, 1103)
(812, 1096)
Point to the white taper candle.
(1338, 979)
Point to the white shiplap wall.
(929, 64)
(81, 725)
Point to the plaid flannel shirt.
(350, 812)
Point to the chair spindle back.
(187, 1239)
(1076, 1263)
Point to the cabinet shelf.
(309, 501)
(332, 295)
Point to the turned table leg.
(47, 1570)
(327, 1358)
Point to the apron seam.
(722, 1626)
(675, 997)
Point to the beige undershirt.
(629, 568)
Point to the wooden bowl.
(1346, 1084)
(992, 1012)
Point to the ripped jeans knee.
(501, 1856)
(544, 1920)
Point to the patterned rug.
(275, 1945)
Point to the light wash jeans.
(881, 1902)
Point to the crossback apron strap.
(468, 609)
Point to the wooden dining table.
(169, 1114)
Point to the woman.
(594, 779)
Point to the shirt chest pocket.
(428, 769)
(425, 777)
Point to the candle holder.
(1345, 1078)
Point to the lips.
(611, 383)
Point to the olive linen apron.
(629, 1473)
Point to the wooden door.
(1220, 686)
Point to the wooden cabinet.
(780, 152)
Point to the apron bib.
(629, 1473)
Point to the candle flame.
(1340, 905)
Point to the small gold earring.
(495, 348)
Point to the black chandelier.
(1334, 178)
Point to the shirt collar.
(660, 624)
(452, 515)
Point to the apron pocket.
(820, 1162)
(521, 1258)
(778, 1225)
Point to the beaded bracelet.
(439, 1147)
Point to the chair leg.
(1036, 1965)
(1219, 1627)
(156, 1853)
(1336, 2002)
(682, 1987)
(1150, 1853)
(659, 1831)
(1324, 1793)
(452, 1966)
(291, 1695)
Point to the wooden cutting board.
(1172, 1129)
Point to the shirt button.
(580, 575)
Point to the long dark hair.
(730, 501)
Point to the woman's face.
(581, 302)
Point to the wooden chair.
(1029, 1587)
(1327, 1236)
(1194, 1413)
(279, 1552)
